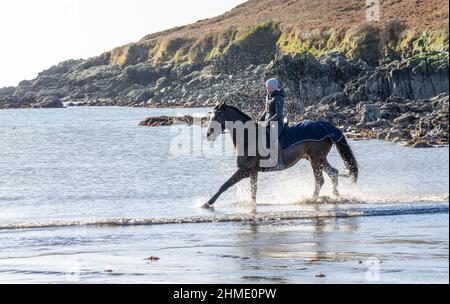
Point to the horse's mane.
(239, 111)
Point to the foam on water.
(261, 217)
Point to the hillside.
(302, 25)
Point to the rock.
(51, 102)
(162, 83)
(7, 91)
(398, 135)
(171, 120)
(140, 95)
(421, 144)
(381, 135)
(380, 123)
(92, 75)
(152, 258)
(141, 73)
(369, 113)
(337, 99)
(406, 120)
(391, 110)
(156, 121)
(309, 79)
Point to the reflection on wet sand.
(292, 245)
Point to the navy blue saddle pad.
(309, 130)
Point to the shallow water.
(87, 165)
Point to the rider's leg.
(276, 148)
(280, 163)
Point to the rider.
(274, 113)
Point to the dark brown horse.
(249, 166)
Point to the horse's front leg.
(254, 184)
(237, 177)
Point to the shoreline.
(401, 100)
(258, 217)
(159, 121)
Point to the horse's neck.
(233, 134)
(233, 137)
(236, 117)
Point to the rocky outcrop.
(399, 100)
(162, 121)
(309, 79)
(418, 123)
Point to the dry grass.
(210, 38)
(312, 14)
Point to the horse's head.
(217, 123)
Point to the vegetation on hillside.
(252, 31)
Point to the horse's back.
(310, 131)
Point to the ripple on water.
(260, 217)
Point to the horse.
(248, 166)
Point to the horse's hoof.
(208, 206)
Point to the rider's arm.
(279, 104)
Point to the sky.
(34, 35)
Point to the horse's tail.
(348, 157)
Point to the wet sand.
(379, 249)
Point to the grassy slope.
(302, 25)
(407, 27)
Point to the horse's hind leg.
(333, 173)
(317, 166)
(254, 184)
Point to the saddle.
(283, 132)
